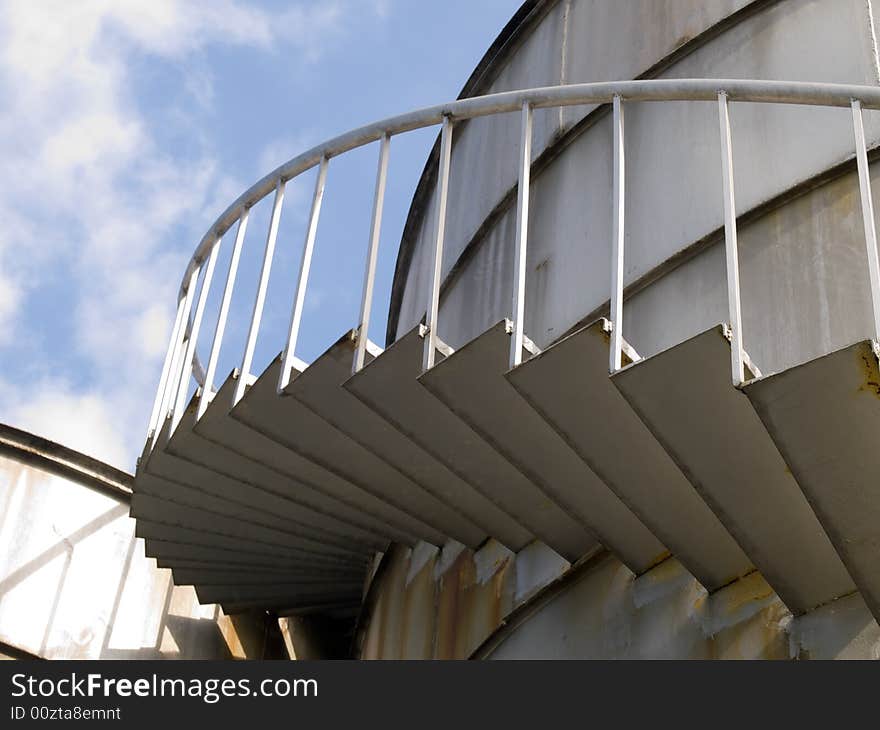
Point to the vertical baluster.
(166, 369)
(260, 299)
(432, 312)
(618, 232)
(522, 232)
(189, 357)
(222, 314)
(299, 296)
(730, 244)
(372, 255)
(177, 366)
(867, 213)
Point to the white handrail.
(720, 91)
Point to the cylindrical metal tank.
(804, 287)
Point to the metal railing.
(181, 360)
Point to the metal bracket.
(628, 351)
(439, 345)
(749, 364)
(528, 345)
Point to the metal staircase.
(276, 491)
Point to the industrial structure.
(628, 398)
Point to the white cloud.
(90, 197)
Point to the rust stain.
(417, 628)
(469, 611)
(657, 560)
(870, 372)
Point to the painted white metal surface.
(618, 236)
(324, 489)
(518, 307)
(558, 495)
(199, 484)
(426, 486)
(262, 287)
(433, 310)
(390, 387)
(568, 385)
(731, 250)
(223, 313)
(561, 500)
(299, 296)
(307, 504)
(685, 397)
(363, 329)
(290, 423)
(867, 213)
(824, 416)
(166, 371)
(189, 357)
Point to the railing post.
(260, 298)
(522, 233)
(431, 314)
(175, 373)
(166, 368)
(617, 238)
(299, 296)
(372, 255)
(222, 314)
(867, 213)
(730, 244)
(189, 357)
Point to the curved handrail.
(747, 90)
(174, 380)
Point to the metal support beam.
(260, 299)
(867, 213)
(431, 315)
(299, 296)
(617, 239)
(372, 255)
(522, 233)
(222, 314)
(730, 244)
(189, 357)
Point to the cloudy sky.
(127, 126)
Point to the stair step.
(686, 398)
(164, 465)
(437, 489)
(564, 503)
(157, 494)
(320, 486)
(164, 532)
(170, 554)
(190, 576)
(287, 421)
(293, 593)
(309, 507)
(389, 386)
(568, 384)
(824, 416)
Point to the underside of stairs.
(281, 500)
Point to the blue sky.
(129, 125)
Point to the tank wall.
(452, 606)
(673, 183)
(75, 583)
(665, 614)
